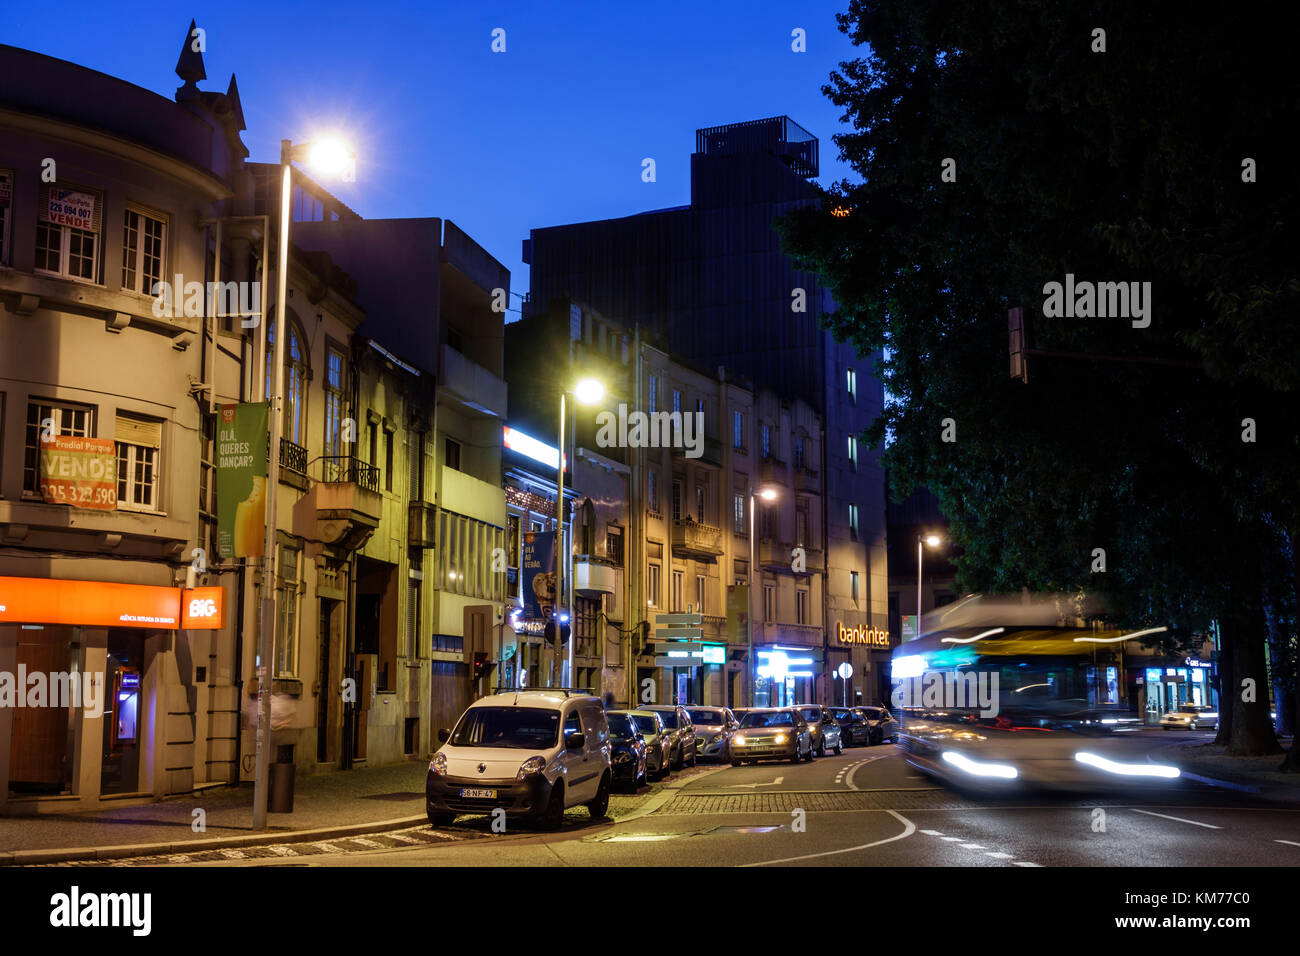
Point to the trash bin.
(280, 799)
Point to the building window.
(853, 452)
(63, 249)
(208, 485)
(767, 440)
(138, 443)
(372, 443)
(452, 457)
(142, 252)
(614, 545)
(513, 555)
(701, 594)
(388, 459)
(654, 394)
(412, 618)
(677, 592)
(335, 389)
(801, 606)
(465, 556)
(677, 500)
(286, 630)
(769, 602)
(851, 384)
(76, 421)
(738, 512)
(677, 402)
(853, 586)
(853, 521)
(738, 431)
(742, 571)
(6, 201)
(700, 497)
(801, 525)
(652, 585)
(415, 465)
(653, 491)
(295, 381)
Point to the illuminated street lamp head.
(329, 156)
(933, 540)
(768, 494)
(589, 391)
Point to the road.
(866, 807)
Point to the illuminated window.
(295, 381)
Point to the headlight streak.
(978, 769)
(1127, 769)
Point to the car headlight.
(531, 766)
(438, 765)
(780, 739)
(738, 740)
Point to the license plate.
(470, 793)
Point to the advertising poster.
(81, 472)
(539, 575)
(241, 479)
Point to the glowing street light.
(933, 540)
(768, 494)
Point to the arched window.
(295, 379)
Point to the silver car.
(825, 729)
(658, 744)
(680, 731)
(713, 729)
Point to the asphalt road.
(867, 807)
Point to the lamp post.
(587, 391)
(329, 156)
(933, 541)
(767, 494)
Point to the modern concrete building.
(712, 280)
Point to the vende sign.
(107, 604)
(871, 636)
(81, 472)
(66, 207)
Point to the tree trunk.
(1249, 732)
(1291, 764)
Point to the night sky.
(552, 131)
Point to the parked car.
(825, 730)
(1190, 717)
(658, 743)
(534, 754)
(880, 723)
(772, 733)
(628, 749)
(855, 728)
(681, 732)
(713, 729)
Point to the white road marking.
(232, 854)
(1287, 842)
(775, 783)
(364, 842)
(999, 856)
(1165, 816)
(908, 829)
(933, 832)
(281, 850)
(1025, 863)
(859, 765)
(952, 839)
(971, 846)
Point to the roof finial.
(190, 65)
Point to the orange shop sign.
(107, 604)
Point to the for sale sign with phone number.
(81, 472)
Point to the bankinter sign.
(108, 604)
(871, 636)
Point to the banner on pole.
(241, 479)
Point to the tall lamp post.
(587, 391)
(933, 540)
(767, 494)
(330, 157)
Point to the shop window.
(64, 419)
(143, 241)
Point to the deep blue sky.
(549, 132)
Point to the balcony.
(343, 506)
(773, 555)
(772, 471)
(807, 480)
(420, 525)
(694, 540)
(293, 460)
(471, 384)
(712, 453)
(593, 577)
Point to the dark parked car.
(681, 733)
(882, 723)
(628, 761)
(855, 728)
(825, 729)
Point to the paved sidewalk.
(353, 799)
(1253, 774)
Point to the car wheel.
(553, 816)
(1164, 728)
(821, 751)
(839, 749)
(695, 756)
(444, 819)
(798, 754)
(600, 806)
(735, 762)
(809, 755)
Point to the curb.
(76, 854)
(669, 792)
(1268, 790)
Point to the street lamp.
(933, 540)
(587, 391)
(334, 157)
(767, 494)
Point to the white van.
(534, 753)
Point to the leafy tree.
(1001, 146)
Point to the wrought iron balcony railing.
(345, 468)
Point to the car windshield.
(842, 714)
(645, 724)
(871, 713)
(780, 719)
(515, 728)
(706, 716)
(811, 715)
(620, 726)
(669, 717)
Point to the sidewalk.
(1253, 774)
(371, 798)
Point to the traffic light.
(482, 665)
(549, 632)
